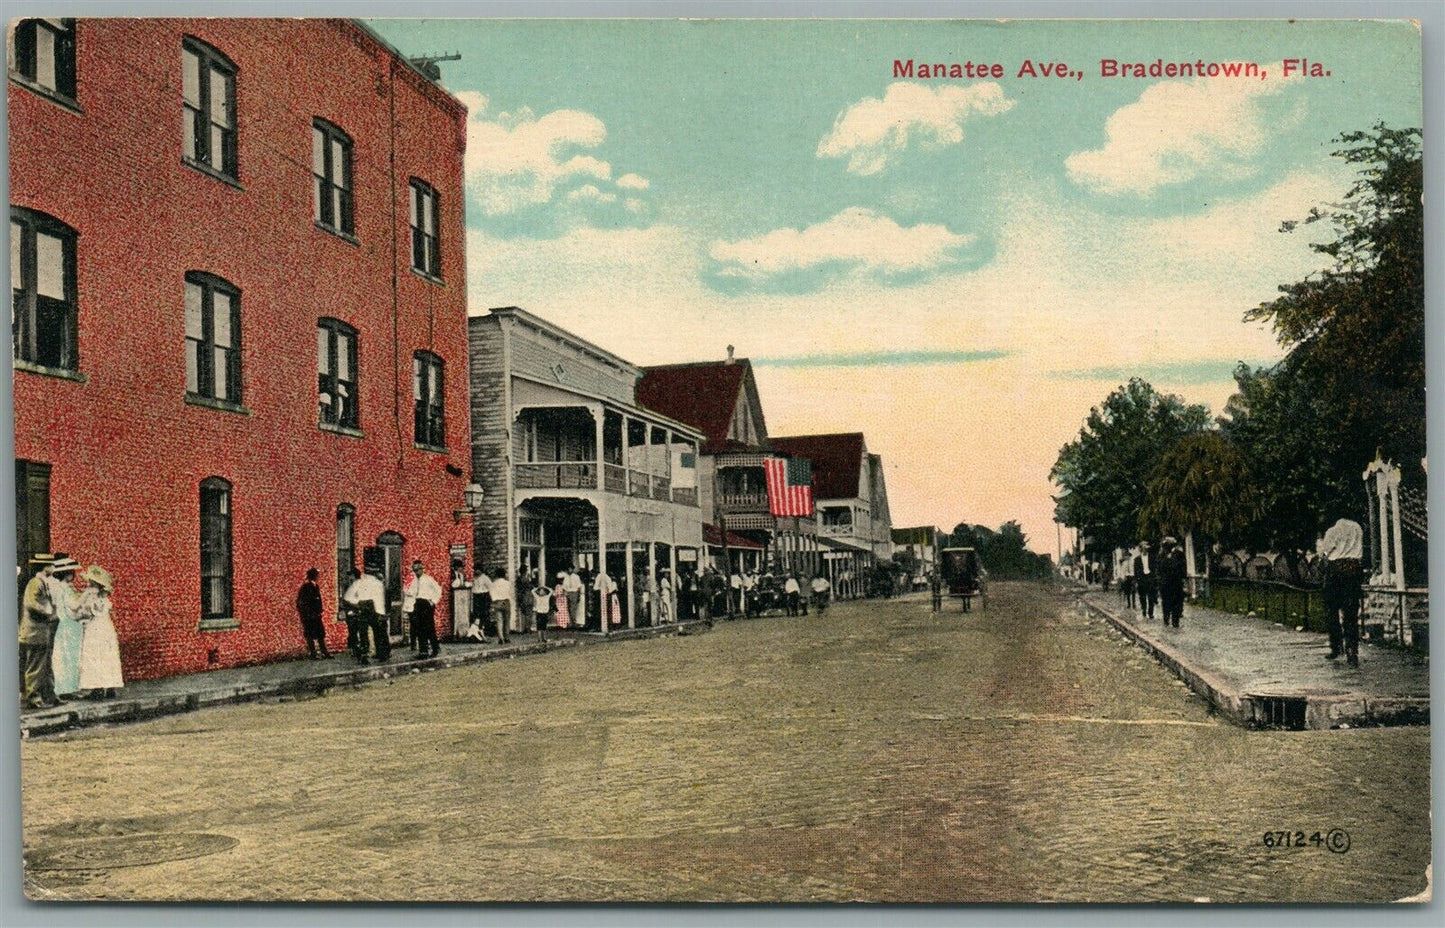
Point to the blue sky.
(957, 268)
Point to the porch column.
(631, 579)
(627, 480)
(603, 617)
(1399, 542)
(652, 574)
(1189, 562)
(672, 572)
(599, 413)
(1386, 568)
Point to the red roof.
(713, 538)
(837, 460)
(702, 395)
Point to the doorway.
(389, 545)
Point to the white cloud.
(591, 194)
(872, 131)
(857, 239)
(1181, 130)
(520, 160)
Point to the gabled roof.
(704, 395)
(837, 461)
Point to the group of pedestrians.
(1149, 580)
(68, 644)
(487, 608)
(1156, 581)
(749, 593)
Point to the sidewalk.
(174, 695)
(1260, 674)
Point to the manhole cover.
(129, 851)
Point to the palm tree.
(1201, 485)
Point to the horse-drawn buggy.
(963, 576)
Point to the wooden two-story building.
(574, 471)
(720, 399)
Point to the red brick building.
(240, 320)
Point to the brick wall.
(127, 452)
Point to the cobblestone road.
(878, 753)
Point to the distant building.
(854, 523)
(239, 308)
(720, 399)
(921, 545)
(574, 471)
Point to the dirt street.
(875, 753)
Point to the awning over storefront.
(714, 538)
(835, 548)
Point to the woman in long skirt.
(559, 603)
(100, 671)
(65, 654)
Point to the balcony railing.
(582, 475)
(743, 502)
(841, 530)
(558, 475)
(614, 478)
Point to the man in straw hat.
(37, 625)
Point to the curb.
(1274, 710)
(74, 715)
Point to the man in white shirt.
(750, 593)
(572, 586)
(481, 605)
(820, 587)
(501, 593)
(1342, 548)
(419, 601)
(366, 598)
(791, 590)
(735, 599)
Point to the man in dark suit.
(1146, 580)
(1171, 581)
(308, 607)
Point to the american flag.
(790, 486)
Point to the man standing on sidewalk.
(1146, 580)
(501, 595)
(308, 607)
(1344, 577)
(419, 600)
(367, 598)
(1171, 581)
(572, 590)
(37, 633)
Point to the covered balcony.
(602, 448)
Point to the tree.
(1103, 474)
(1004, 553)
(1202, 485)
(1354, 375)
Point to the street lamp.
(473, 496)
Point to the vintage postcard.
(720, 461)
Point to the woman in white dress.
(65, 649)
(100, 671)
